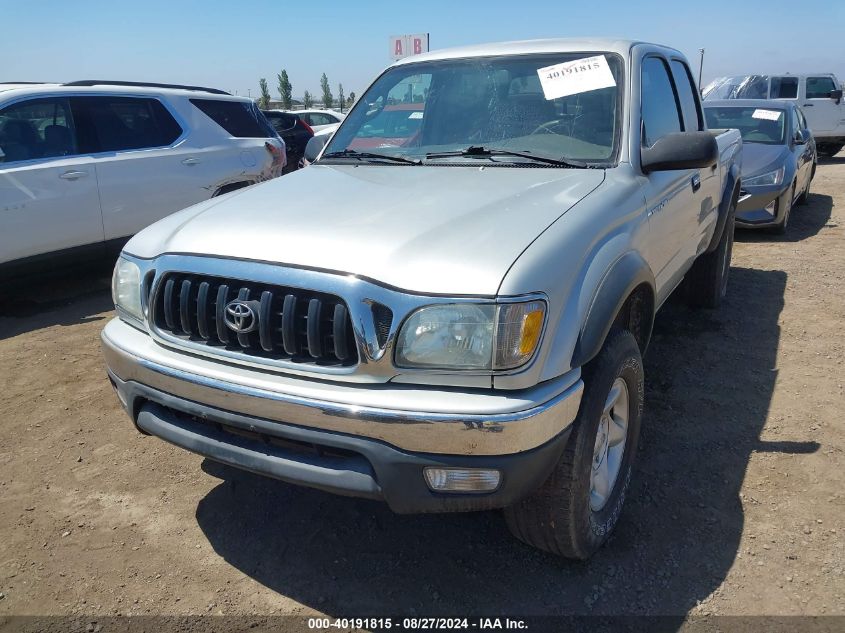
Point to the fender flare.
(626, 273)
(730, 195)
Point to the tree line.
(285, 90)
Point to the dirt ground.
(737, 506)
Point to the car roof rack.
(143, 84)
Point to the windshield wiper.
(479, 151)
(353, 153)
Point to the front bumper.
(751, 211)
(369, 441)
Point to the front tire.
(780, 227)
(575, 510)
(802, 199)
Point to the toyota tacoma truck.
(447, 310)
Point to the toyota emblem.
(240, 317)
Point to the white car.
(319, 119)
(85, 165)
(322, 137)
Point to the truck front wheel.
(706, 283)
(575, 510)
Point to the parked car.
(85, 165)
(294, 131)
(319, 119)
(819, 95)
(457, 321)
(322, 137)
(778, 158)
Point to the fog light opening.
(772, 207)
(462, 479)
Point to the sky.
(230, 45)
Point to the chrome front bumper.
(421, 419)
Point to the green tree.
(285, 89)
(307, 100)
(340, 97)
(328, 98)
(264, 99)
(350, 100)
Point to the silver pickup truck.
(447, 310)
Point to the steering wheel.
(558, 126)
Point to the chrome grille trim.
(293, 325)
(376, 314)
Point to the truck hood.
(441, 230)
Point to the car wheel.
(706, 284)
(783, 223)
(576, 509)
(802, 199)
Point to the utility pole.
(700, 67)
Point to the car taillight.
(275, 152)
(307, 127)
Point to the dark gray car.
(778, 157)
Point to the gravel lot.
(737, 504)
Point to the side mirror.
(314, 147)
(836, 95)
(681, 150)
(802, 137)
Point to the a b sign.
(405, 45)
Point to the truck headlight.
(126, 289)
(471, 336)
(770, 178)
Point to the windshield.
(739, 87)
(420, 110)
(756, 125)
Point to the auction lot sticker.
(768, 115)
(580, 75)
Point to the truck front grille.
(278, 323)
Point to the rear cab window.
(240, 119)
(36, 128)
(783, 88)
(686, 95)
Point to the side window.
(306, 118)
(114, 124)
(236, 117)
(686, 93)
(802, 119)
(784, 88)
(819, 87)
(796, 124)
(660, 114)
(38, 128)
(321, 119)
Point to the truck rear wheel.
(706, 283)
(575, 510)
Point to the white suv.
(85, 165)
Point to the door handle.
(809, 105)
(695, 181)
(191, 161)
(73, 175)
